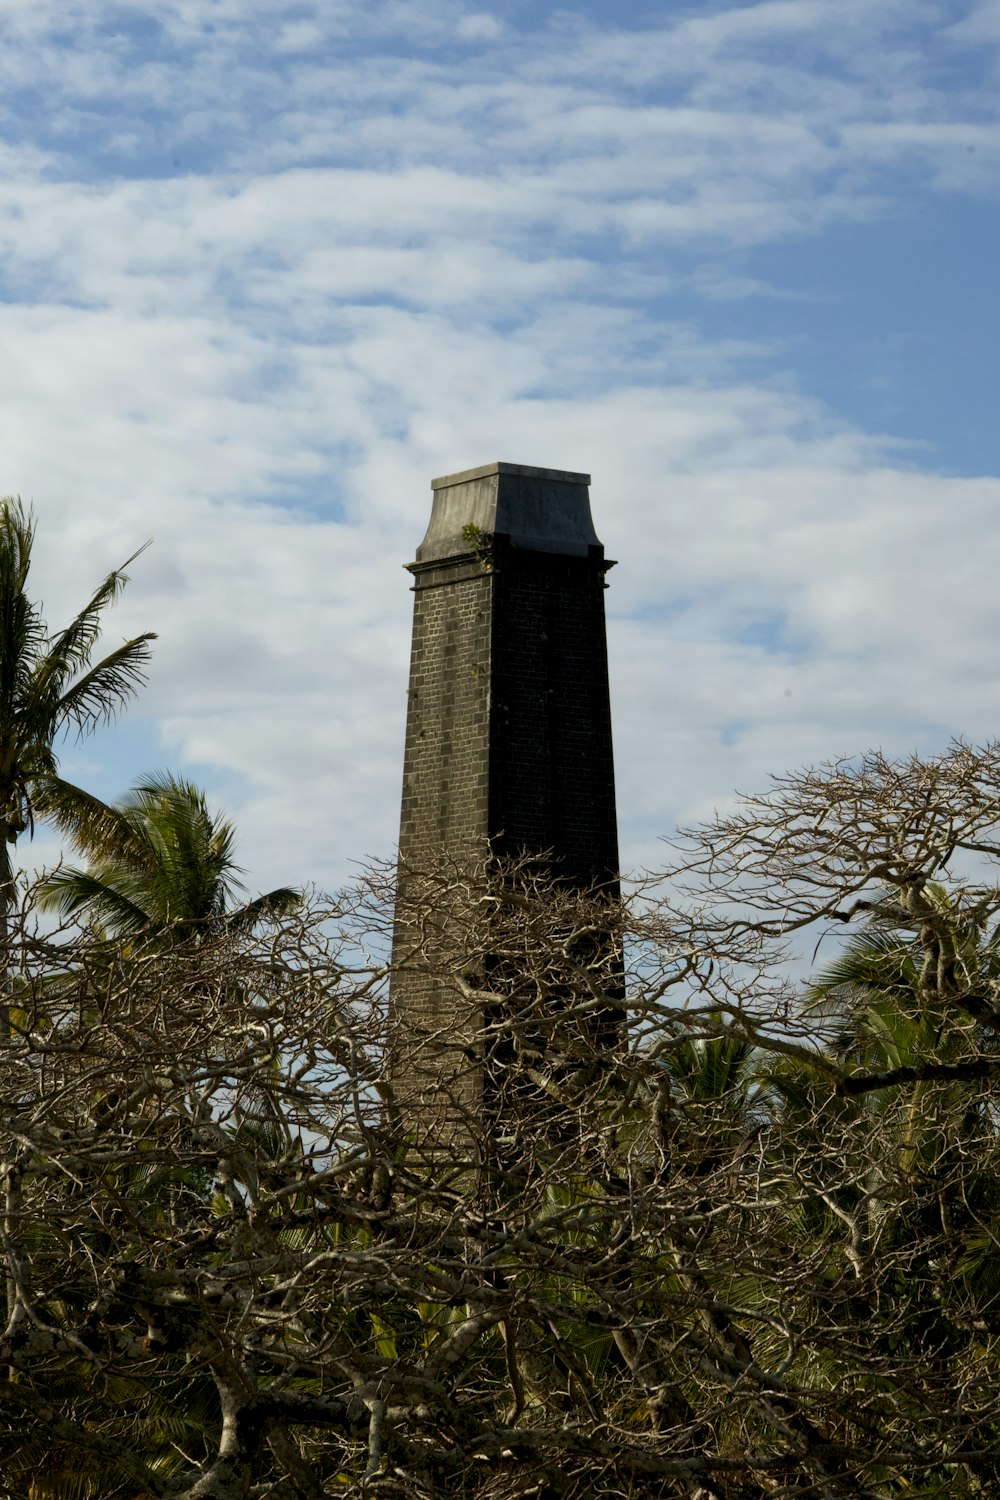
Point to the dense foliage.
(744, 1245)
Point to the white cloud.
(284, 635)
(299, 36)
(370, 268)
(981, 24)
(961, 157)
(478, 26)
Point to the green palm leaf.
(49, 683)
(160, 862)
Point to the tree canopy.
(745, 1248)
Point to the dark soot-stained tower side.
(508, 735)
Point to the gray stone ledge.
(556, 476)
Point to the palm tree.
(48, 685)
(911, 993)
(911, 989)
(161, 864)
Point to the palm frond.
(48, 683)
(17, 535)
(70, 651)
(711, 1067)
(101, 692)
(70, 891)
(22, 633)
(91, 826)
(194, 848)
(873, 960)
(160, 861)
(277, 903)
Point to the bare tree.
(744, 1246)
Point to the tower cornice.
(539, 510)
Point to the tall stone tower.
(508, 735)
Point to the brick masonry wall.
(508, 741)
(445, 812)
(552, 782)
(446, 761)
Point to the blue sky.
(268, 268)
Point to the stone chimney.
(508, 734)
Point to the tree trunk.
(6, 901)
(11, 1196)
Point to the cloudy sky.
(268, 267)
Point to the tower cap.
(541, 510)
